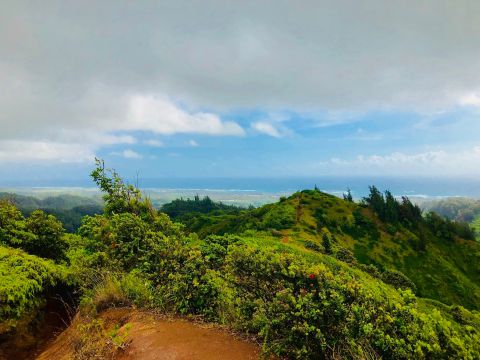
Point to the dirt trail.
(153, 338)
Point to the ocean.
(399, 186)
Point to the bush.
(306, 311)
(24, 281)
(40, 234)
(312, 246)
(49, 242)
(398, 280)
(371, 269)
(345, 255)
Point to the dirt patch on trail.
(151, 337)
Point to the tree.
(408, 213)
(391, 208)
(348, 196)
(327, 244)
(49, 242)
(40, 234)
(13, 230)
(118, 196)
(376, 201)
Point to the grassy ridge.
(445, 270)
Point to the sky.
(239, 88)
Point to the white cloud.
(27, 151)
(266, 128)
(127, 154)
(428, 163)
(161, 116)
(337, 58)
(110, 123)
(130, 154)
(154, 143)
(471, 99)
(192, 143)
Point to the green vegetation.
(458, 209)
(312, 276)
(24, 280)
(183, 209)
(40, 234)
(455, 208)
(437, 254)
(69, 209)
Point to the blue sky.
(303, 147)
(239, 90)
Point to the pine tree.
(348, 196)
(327, 244)
(391, 208)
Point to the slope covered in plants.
(440, 256)
(283, 279)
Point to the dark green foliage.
(49, 232)
(348, 196)
(40, 234)
(182, 209)
(447, 229)
(371, 269)
(327, 244)
(398, 280)
(345, 255)
(71, 219)
(69, 209)
(392, 212)
(458, 209)
(376, 201)
(24, 279)
(312, 246)
(409, 214)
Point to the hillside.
(69, 209)
(443, 266)
(286, 279)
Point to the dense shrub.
(24, 280)
(183, 208)
(312, 246)
(345, 255)
(306, 311)
(49, 242)
(278, 217)
(398, 280)
(40, 234)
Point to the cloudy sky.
(240, 88)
